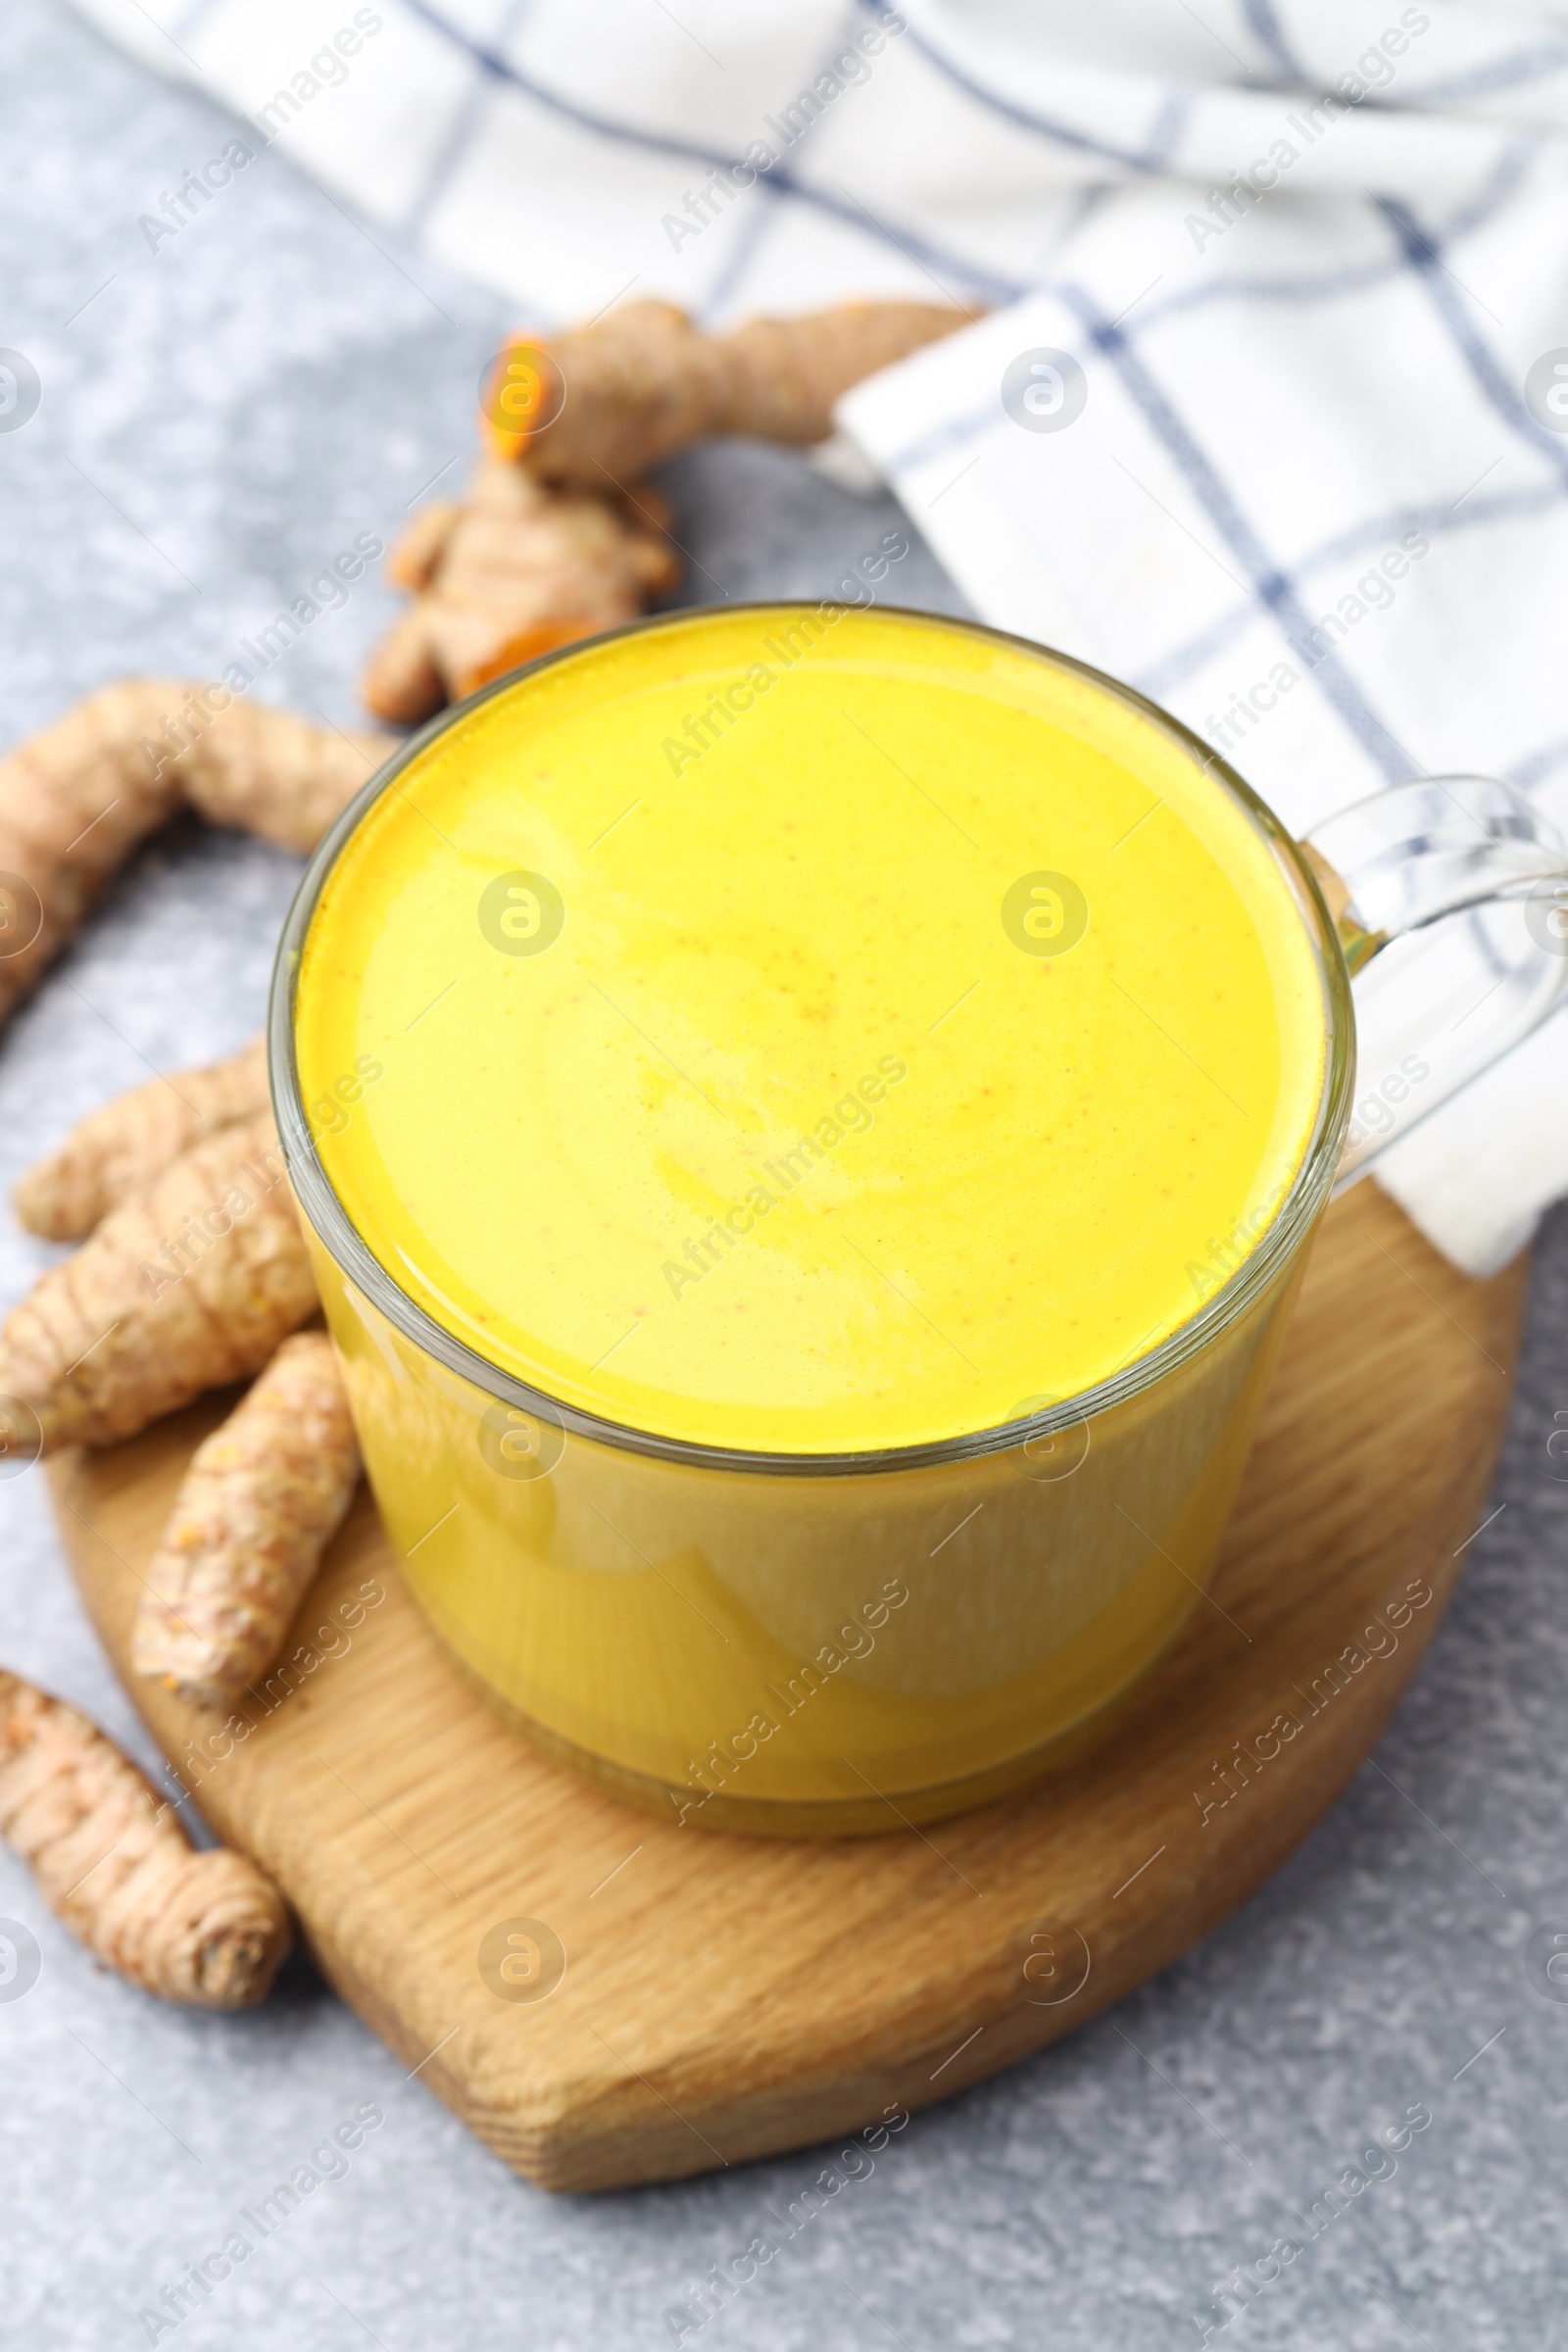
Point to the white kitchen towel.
(1271, 414)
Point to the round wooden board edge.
(599, 2141)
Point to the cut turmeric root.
(114, 1152)
(600, 404)
(516, 571)
(118, 1868)
(191, 1283)
(77, 798)
(263, 1497)
(561, 536)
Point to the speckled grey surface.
(216, 424)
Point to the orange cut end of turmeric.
(542, 637)
(523, 392)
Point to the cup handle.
(1390, 868)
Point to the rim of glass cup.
(1273, 1247)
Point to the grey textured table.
(217, 422)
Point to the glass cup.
(839, 1644)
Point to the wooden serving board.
(725, 1997)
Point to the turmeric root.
(191, 1283)
(116, 1150)
(556, 541)
(262, 1500)
(600, 404)
(272, 773)
(76, 799)
(516, 571)
(118, 1868)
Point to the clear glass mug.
(810, 1647)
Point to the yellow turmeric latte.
(808, 1032)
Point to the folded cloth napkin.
(1270, 413)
